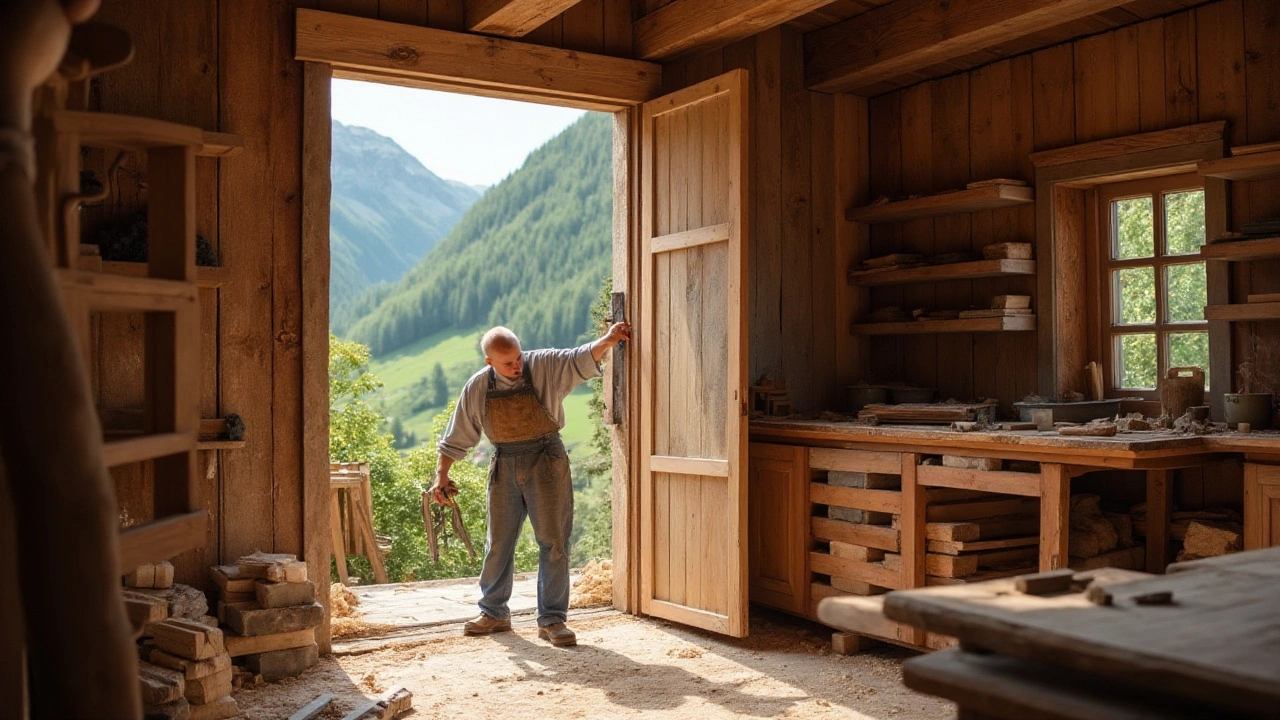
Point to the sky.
(476, 140)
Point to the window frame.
(1107, 331)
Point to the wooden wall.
(1219, 61)
(227, 65)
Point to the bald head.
(499, 339)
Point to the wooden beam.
(512, 18)
(908, 36)
(360, 47)
(687, 25)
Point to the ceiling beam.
(424, 57)
(907, 36)
(687, 25)
(511, 18)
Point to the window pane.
(1184, 222)
(1136, 356)
(1186, 293)
(1135, 237)
(1135, 293)
(1188, 349)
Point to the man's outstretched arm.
(616, 334)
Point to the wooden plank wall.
(227, 65)
(1218, 61)
(795, 281)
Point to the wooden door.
(1261, 506)
(778, 480)
(693, 348)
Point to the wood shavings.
(594, 586)
(345, 620)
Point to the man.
(518, 401)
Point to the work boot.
(557, 634)
(483, 625)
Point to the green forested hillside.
(387, 212)
(530, 254)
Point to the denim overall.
(528, 476)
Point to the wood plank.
(238, 646)
(939, 273)
(870, 573)
(511, 18)
(1055, 516)
(685, 26)
(146, 447)
(880, 537)
(886, 501)
(162, 539)
(1129, 144)
(985, 197)
(978, 509)
(686, 239)
(1242, 250)
(1008, 483)
(909, 36)
(912, 521)
(946, 547)
(101, 291)
(1243, 311)
(126, 132)
(887, 463)
(689, 466)
(360, 44)
(1008, 323)
(1256, 166)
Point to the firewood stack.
(269, 610)
(189, 673)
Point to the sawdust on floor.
(623, 666)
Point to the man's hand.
(443, 490)
(616, 334)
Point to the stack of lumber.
(158, 576)
(147, 606)
(1102, 539)
(1203, 533)
(852, 522)
(188, 672)
(273, 634)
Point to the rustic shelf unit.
(1008, 323)
(983, 197)
(935, 273)
(1243, 250)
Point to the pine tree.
(439, 386)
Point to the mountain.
(387, 212)
(531, 254)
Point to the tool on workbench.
(434, 517)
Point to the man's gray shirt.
(555, 374)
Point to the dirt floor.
(622, 667)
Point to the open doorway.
(450, 214)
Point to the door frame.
(320, 67)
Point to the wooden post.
(1055, 515)
(912, 537)
(1159, 509)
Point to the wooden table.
(1217, 645)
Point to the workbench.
(1210, 650)
(790, 457)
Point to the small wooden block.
(868, 481)
(272, 621)
(159, 685)
(163, 575)
(145, 609)
(860, 553)
(179, 709)
(850, 643)
(220, 709)
(1164, 597)
(1097, 594)
(280, 664)
(201, 691)
(286, 594)
(1011, 301)
(295, 572)
(228, 579)
(238, 646)
(1045, 583)
(1007, 251)
(143, 576)
(971, 463)
(397, 702)
(1098, 430)
(188, 639)
(191, 669)
(260, 564)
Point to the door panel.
(694, 357)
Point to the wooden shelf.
(220, 145)
(146, 447)
(936, 273)
(219, 444)
(103, 291)
(1251, 166)
(1243, 311)
(1010, 323)
(987, 197)
(206, 276)
(126, 132)
(1243, 250)
(162, 539)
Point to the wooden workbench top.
(1133, 449)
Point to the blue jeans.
(529, 479)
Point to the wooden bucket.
(1182, 387)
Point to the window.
(1153, 283)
